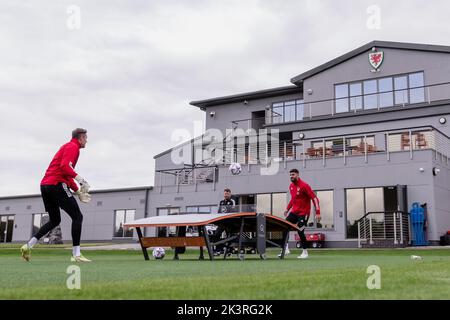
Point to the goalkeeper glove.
(83, 196)
(84, 185)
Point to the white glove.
(84, 185)
(83, 196)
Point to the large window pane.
(355, 96)
(263, 203)
(289, 111)
(36, 223)
(119, 221)
(341, 95)
(386, 98)
(192, 209)
(129, 217)
(416, 95)
(401, 96)
(300, 110)
(370, 97)
(279, 204)
(277, 113)
(355, 210)
(326, 209)
(374, 200)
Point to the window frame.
(125, 221)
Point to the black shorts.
(300, 221)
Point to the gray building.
(368, 131)
(103, 217)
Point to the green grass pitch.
(328, 274)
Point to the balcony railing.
(363, 144)
(383, 229)
(399, 98)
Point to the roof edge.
(247, 96)
(91, 192)
(298, 80)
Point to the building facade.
(103, 217)
(368, 131)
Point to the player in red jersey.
(59, 177)
(299, 208)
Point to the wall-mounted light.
(309, 91)
(245, 102)
(212, 114)
(442, 120)
(421, 169)
(436, 171)
(301, 136)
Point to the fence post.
(401, 228)
(344, 150)
(323, 150)
(410, 145)
(395, 230)
(365, 148)
(304, 154)
(370, 230)
(248, 156)
(195, 179)
(388, 154)
(214, 178)
(359, 234)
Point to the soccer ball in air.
(235, 168)
(158, 253)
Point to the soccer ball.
(235, 168)
(158, 253)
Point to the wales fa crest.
(376, 59)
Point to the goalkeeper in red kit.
(299, 208)
(59, 178)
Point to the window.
(279, 204)
(359, 202)
(387, 96)
(370, 97)
(341, 95)
(271, 203)
(355, 96)
(277, 113)
(401, 96)
(263, 204)
(6, 228)
(121, 217)
(162, 231)
(202, 209)
(416, 81)
(287, 111)
(38, 221)
(326, 211)
(300, 110)
(380, 93)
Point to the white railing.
(361, 103)
(384, 229)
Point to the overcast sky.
(128, 70)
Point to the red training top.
(61, 169)
(301, 196)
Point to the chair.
(311, 152)
(421, 142)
